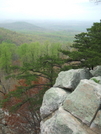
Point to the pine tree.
(40, 65)
(87, 47)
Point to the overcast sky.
(49, 9)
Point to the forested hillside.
(21, 26)
(14, 37)
(34, 68)
(27, 32)
(26, 37)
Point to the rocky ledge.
(72, 105)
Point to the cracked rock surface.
(77, 112)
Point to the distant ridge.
(14, 37)
(21, 26)
(20, 32)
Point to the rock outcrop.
(76, 112)
(96, 71)
(3, 125)
(53, 98)
(70, 79)
(84, 101)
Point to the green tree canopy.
(39, 60)
(87, 47)
(7, 53)
(40, 65)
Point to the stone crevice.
(71, 106)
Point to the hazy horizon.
(49, 10)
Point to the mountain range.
(21, 26)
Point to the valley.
(28, 31)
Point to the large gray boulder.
(84, 101)
(73, 112)
(96, 71)
(63, 122)
(52, 99)
(96, 124)
(70, 79)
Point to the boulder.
(70, 79)
(52, 99)
(84, 101)
(63, 122)
(96, 71)
(96, 124)
(74, 112)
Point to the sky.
(49, 9)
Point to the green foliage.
(29, 36)
(87, 47)
(3, 101)
(97, 81)
(7, 52)
(35, 61)
(39, 60)
(14, 37)
(50, 67)
(31, 52)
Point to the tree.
(7, 52)
(39, 61)
(29, 52)
(22, 105)
(87, 47)
(40, 65)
